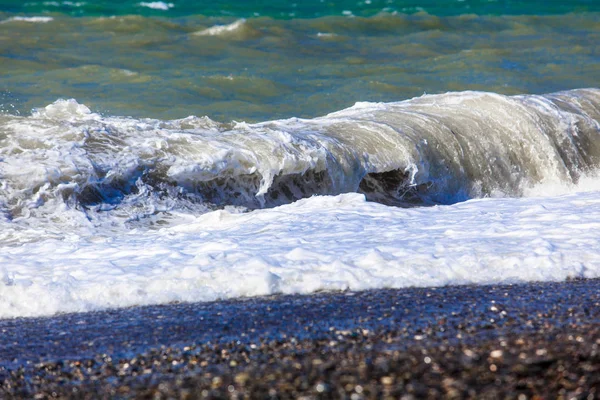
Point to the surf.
(434, 149)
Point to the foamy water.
(157, 5)
(221, 29)
(321, 243)
(42, 20)
(99, 211)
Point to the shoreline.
(459, 341)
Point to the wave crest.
(435, 149)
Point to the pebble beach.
(526, 341)
(341, 199)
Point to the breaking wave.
(435, 149)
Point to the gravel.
(537, 340)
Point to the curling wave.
(435, 149)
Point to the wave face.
(435, 149)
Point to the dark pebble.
(532, 341)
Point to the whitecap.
(222, 29)
(157, 5)
(41, 20)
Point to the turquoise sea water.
(299, 9)
(262, 60)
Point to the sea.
(154, 152)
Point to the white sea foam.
(326, 35)
(158, 5)
(221, 29)
(100, 212)
(64, 3)
(41, 20)
(340, 242)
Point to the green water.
(163, 64)
(299, 9)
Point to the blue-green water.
(260, 60)
(299, 9)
